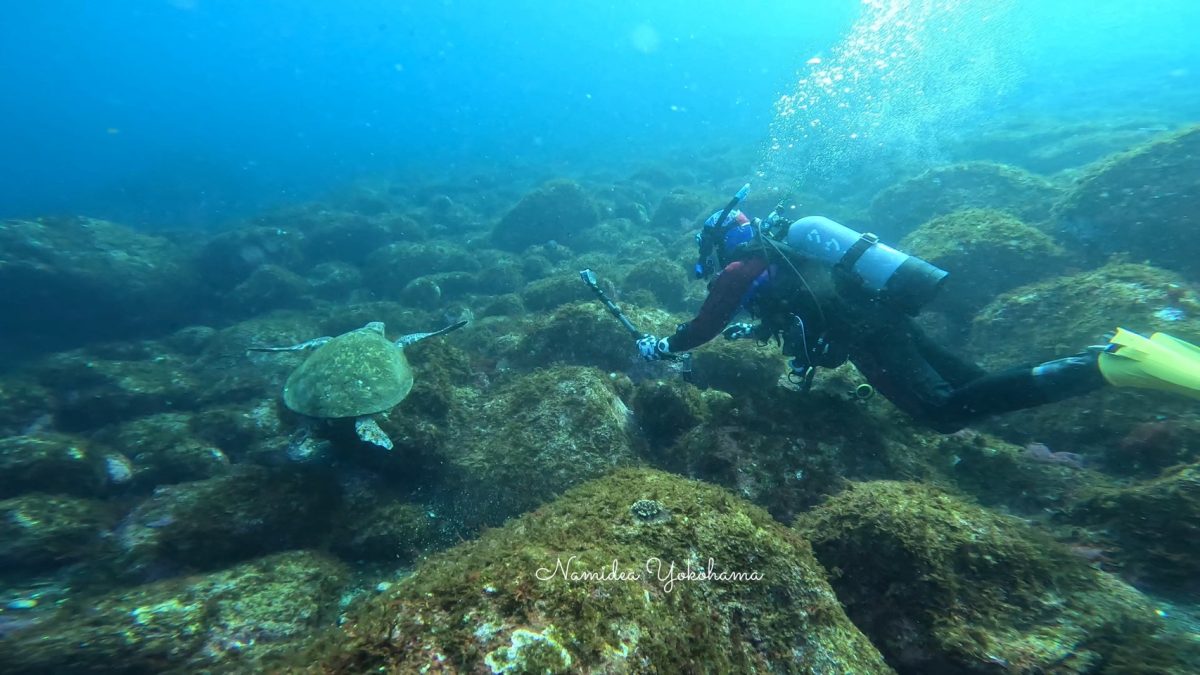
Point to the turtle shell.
(358, 373)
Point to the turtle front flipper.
(368, 430)
(309, 344)
(406, 340)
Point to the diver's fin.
(1157, 362)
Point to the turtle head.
(374, 327)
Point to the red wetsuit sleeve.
(724, 299)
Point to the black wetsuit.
(824, 323)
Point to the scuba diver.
(829, 294)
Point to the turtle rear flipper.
(406, 340)
(308, 344)
(368, 430)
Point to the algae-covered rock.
(664, 409)
(41, 531)
(901, 208)
(1154, 524)
(72, 281)
(1000, 474)
(1143, 202)
(586, 334)
(514, 600)
(51, 463)
(942, 585)
(785, 450)
(1063, 315)
(386, 530)
(164, 449)
(25, 404)
(1050, 144)
(537, 435)
(391, 268)
(233, 620)
(205, 524)
(226, 259)
(738, 367)
(267, 288)
(335, 280)
(665, 281)
(680, 210)
(552, 292)
(554, 211)
(986, 253)
(91, 391)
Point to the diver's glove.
(737, 331)
(651, 348)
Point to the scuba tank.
(898, 279)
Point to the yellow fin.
(1159, 362)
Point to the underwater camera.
(906, 282)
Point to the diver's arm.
(723, 301)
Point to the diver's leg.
(893, 364)
(1026, 387)
(898, 364)
(957, 370)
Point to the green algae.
(483, 606)
(534, 436)
(555, 211)
(45, 531)
(1154, 524)
(986, 252)
(943, 585)
(1142, 201)
(942, 190)
(233, 620)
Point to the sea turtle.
(356, 374)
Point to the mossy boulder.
(386, 530)
(584, 333)
(1143, 202)
(554, 211)
(1154, 526)
(390, 268)
(665, 281)
(234, 620)
(267, 288)
(1063, 315)
(535, 436)
(350, 237)
(681, 210)
(164, 449)
(1002, 475)
(986, 253)
(554, 291)
(65, 282)
(666, 408)
(502, 604)
(335, 280)
(228, 258)
(1050, 144)
(739, 367)
(942, 585)
(901, 208)
(25, 404)
(247, 512)
(43, 531)
(52, 463)
(785, 450)
(92, 391)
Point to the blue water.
(170, 113)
